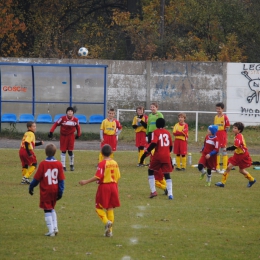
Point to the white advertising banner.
(243, 93)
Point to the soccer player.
(110, 129)
(152, 117)
(140, 125)
(68, 125)
(161, 142)
(26, 153)
(222, 121)
(241, 157)
(180, 132)
(51, 178)
(107, 197)
(209, 152)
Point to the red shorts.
(210, 163)
(180, 147)
(158, 175)
(67, 142)
(48, 202)
(156, 165)
(140, 139)
(25, 158)
(111, 140)
(222, 138)
(107, 196)
(241, 160)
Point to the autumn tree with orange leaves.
(10, 25)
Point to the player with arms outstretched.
(241, 157)
(107, 196)
(68, 125)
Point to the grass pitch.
(200, 223)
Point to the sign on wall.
(243, 93)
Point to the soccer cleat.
(170, 197)
(25, 181)
(202, 176)
(72, 168)
(220, 184)
(153, 194)
(165, 192)
(50, 234)
(108, 231)
(178, 169)
(251, 183)
(141, 165)
(183, 169)
(109, 234)
(56, 231)
(64, 169)
(207, 184)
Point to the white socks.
(54, 219)
(71, 157)
(49, 222)
(169, 186)
(63, 159)
(151, 181)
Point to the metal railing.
(187, 112)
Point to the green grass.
(200, 223)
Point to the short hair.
(29, 124)
(106, 150)
(160, 123)
(154, 104)
(70, 109)
(141, 108)
(50, 150)
(220, 104)
(111, 109)
(240, 126)
(182, 114)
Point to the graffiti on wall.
(243, 88)
(254, 86)
(175, 80)
(250, 112)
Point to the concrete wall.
(179, 86)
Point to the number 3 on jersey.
(52, 175)
(164, 138)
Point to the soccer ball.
(83, 51)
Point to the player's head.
(50, 150)
(31, 126)
(160, 123)
(213, 129)
(106, 150)
(70, 112)
(154, 107)
(140, 110)
(111, 113)
(240, 126)
(182, 115)
(220, 104)
(70, 109)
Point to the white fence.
(187, 112)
